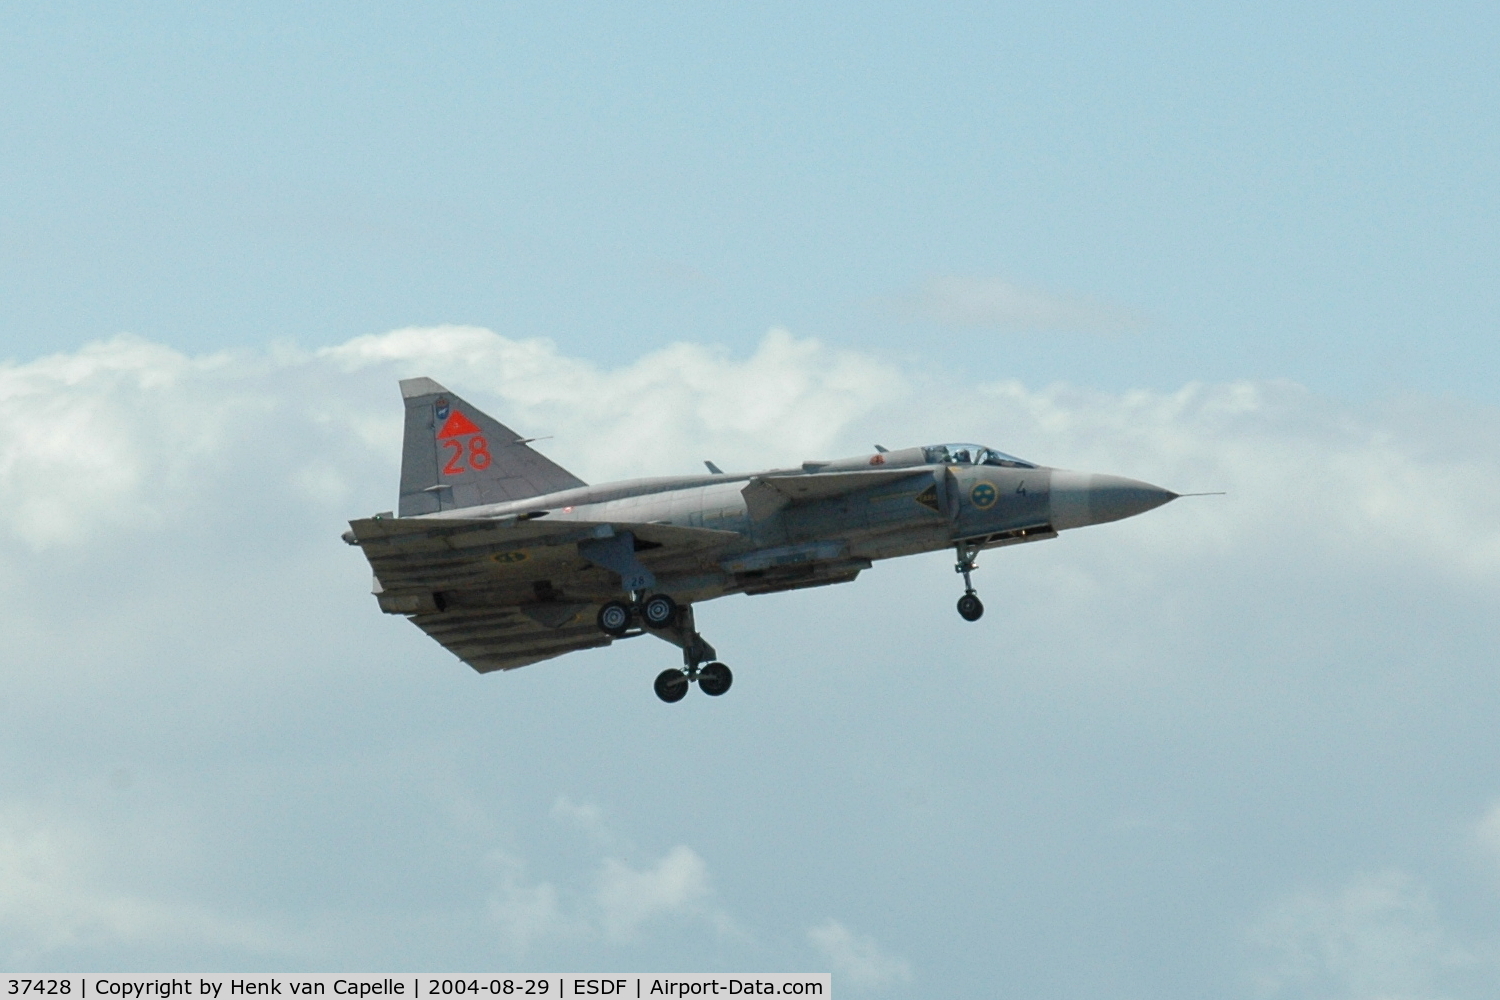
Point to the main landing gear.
(671, 685)
(970, 607)
(658, 612)
(713, 679)
(698, 663)
(666, 619)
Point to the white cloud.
(53, 895)
(59, 895)
(791, 397)
(1377, 938)
(1487, 831)
(994, 302)
(585, 816)
(128, 435)
(856, 960)
(623, 903)
(127, 441)
(85, 439)
(1364, 486)
(629, 898)
(527, 914)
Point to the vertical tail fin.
(455, 455)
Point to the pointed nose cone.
(1114, 497)
(1081, 498)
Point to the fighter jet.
(506, 558)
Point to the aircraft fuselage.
(507, 558)
(831, 539)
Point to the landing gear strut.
(970, 607)
(664, 618)
(698, 663)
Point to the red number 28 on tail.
(478, 453)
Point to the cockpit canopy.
(972, 454)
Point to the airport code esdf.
(370, 987)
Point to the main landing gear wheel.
(700, 664)
(715, 679)
(614, 619)
(971, 607)
(672, 685)
(659, 611)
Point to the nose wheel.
(970, 607)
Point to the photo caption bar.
(412, 986)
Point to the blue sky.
(1279, 190)
(1236, 747)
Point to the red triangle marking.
(458, 425)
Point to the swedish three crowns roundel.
(984, 495)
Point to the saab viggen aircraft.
(506, 558)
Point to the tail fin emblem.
(457, 426)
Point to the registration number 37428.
(54, 987)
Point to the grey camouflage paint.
(503, 556)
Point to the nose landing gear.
(970, 607)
